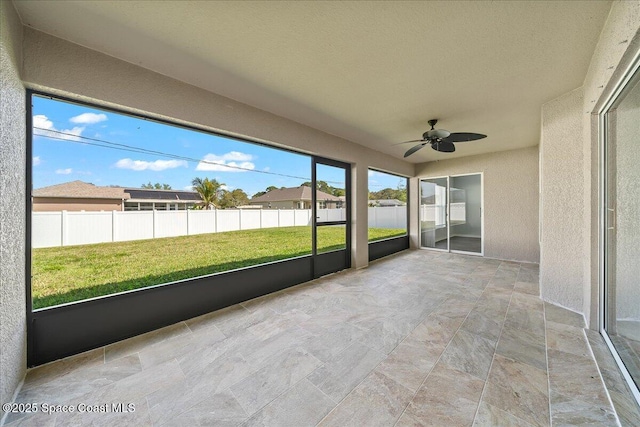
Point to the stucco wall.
(616, 47)
(618, 43)
(510, 200)
(561, 165)
(13, 336)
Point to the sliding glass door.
(330, 216)
(434, 229)
(451, 213)
(620, 213)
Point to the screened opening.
(387, 211)
(121, 203)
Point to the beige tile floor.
(420, 338)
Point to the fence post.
(113, 226)
(154, 223)
(215, 220)
(375, 216)
(278, 217)
(395, 216)
(188, 231)
(63, 228)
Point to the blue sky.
(62, 153)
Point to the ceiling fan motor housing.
(436, 134)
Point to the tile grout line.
(239, 404)
(439, 357)
(484, 387)
(546, 354)
(604, 385)
(374, 368)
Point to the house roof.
(387, 202)
(163, 195)
(302, 193)
(81, 190)
(86, 190)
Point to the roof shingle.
(81, 190)
(302, 193)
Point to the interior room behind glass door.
(433, 214)
(465, 213)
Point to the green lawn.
(73, 273)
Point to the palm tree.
(209, 191)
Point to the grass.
(73, 273)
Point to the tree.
(399, 193)
(326, 188)
(156, 186)
(209, 191)
(262, 193)
(233, 199)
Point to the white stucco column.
(414, 203)
(359, 215)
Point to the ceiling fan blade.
(406, 142)
(410, 151)
(463, 137)
(444, 146)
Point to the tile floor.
(420, 338)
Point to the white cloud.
(44, 127)
(88, 118)
(266, 169)
(371, 173)
(66, 171)
(36, 160)
(158, 165)
(233, 161)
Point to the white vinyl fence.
(437, 213)
(80, 228)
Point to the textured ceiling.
(370, 72)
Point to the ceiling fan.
(441, 140)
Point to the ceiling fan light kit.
(441, 140)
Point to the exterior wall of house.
(53, 204)
(510, 200)
(13, 321)
(619, 41)
(561, 196)
(60, 67)
(289, 204)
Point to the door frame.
(338, 259)
(603, 209)
(448, 213)
(420, 178)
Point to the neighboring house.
(143, 199)
(386, 202)
(84, 196)
(296, 198)
(78, 196)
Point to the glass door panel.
(331, 230)
(621, 214)
(434, 231)
(331, 238)
(465, 213)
